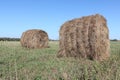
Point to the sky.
(17, 16)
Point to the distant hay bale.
(34, 39)
(86, 37)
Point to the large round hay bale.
(34, 39)
(86, 37)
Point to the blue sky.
(17, 16)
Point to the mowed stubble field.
(17, 63)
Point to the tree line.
(9, 39)
(16, 39)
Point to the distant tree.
(9, 39)
(114, 40)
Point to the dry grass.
(86, 37)
(34, 39)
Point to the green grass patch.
(17, 63)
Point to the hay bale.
(34, 39)
(86, 37)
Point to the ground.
(17, 63)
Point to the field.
(17, 63)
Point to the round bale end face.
(86, 37)
(34, 39)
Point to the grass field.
(17, 63)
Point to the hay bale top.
(36, 32)
(34, 38)
(85, 20)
